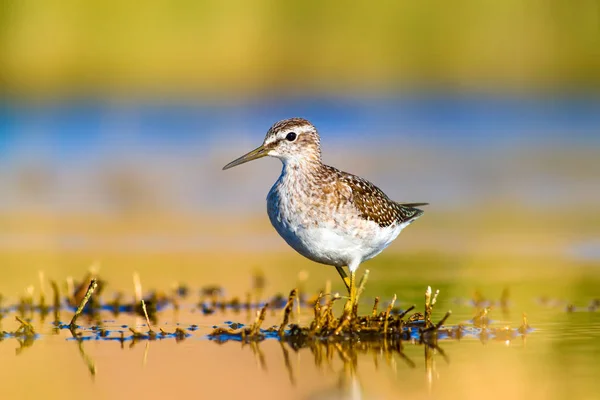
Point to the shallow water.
(557, 359)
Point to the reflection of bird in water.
(347, 388)
(327, 215)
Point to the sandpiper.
(327, 215)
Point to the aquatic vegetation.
(302, 327)
(389, 324)
(375, 327)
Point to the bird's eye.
(291, 136)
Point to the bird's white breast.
(322, 231)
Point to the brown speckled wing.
(374, 205)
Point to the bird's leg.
(352, 302)
(344, 276)
(352, 289)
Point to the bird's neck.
(301, 165)
(300, 170)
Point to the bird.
(327, 215)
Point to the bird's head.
(293, 141)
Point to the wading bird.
(328, 216)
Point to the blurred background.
(116, 118)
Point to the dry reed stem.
(146, 315)
(93, 285)
(260, 317)
(387, 315)
(375, 306)
(287, 311)
(362, 284)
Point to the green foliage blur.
(239, 46)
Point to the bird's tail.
(413, 204)
(411, 212)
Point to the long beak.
(259, 152)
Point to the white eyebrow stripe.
(286, 126)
